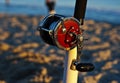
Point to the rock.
(2, 15)
(37, 33)
(45, 59)
(52, 51)
(31, 53)
(47, 79)
(107, 66)
(115, 38)
(23, 27)
(102, 55)
(18, 41)
(105, 55)
(22, 47)
(27, 54)
(17, 49)
(90, 22)
(14, 22)
(40, 79)
(90, 79)
(4, 35)
(23, 54)
(34, 45)
(30, 45)
(115, 71)
(116, 61)
(106, 25)
(4, 46)
(98, 31)
(18, 35)
(43, 71)
(98, 76)
(99, 46)
(95, 39)
(2, 81)
(34, 21)
(114, 81)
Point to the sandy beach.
(25, 58)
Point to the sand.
(25, 58)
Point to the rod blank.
(80, 9)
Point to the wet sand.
(25, 58)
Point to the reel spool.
(60, 31)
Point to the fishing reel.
(63, 32)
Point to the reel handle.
(85, 67)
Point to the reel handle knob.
(85, 67)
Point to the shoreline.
(31, 15)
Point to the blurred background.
(108, 10)
(25, 58)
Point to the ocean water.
(91, 13)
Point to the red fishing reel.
(63, 32)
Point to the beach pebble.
(105, 55)
(23, 54)
(115, 71)
(99, 46)
(98, 76)
(23, 27)
(2, 15)
(14, 22)
(47, 79)
(46, 59)
(90, 79)
(95, 39)
(4, 46)
(106, 25)
(17, 49)
(114, 81)
(2, 81)
(107, 66)
(34, 21)
(43, 71)
(18, 35)
(102, 55)
(30, 45)
(22, 47)
(98, 31)
(90, 22)
(31, 53)
(37, 33)
(52, 51)
(4, 35)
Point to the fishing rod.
(66, 33)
